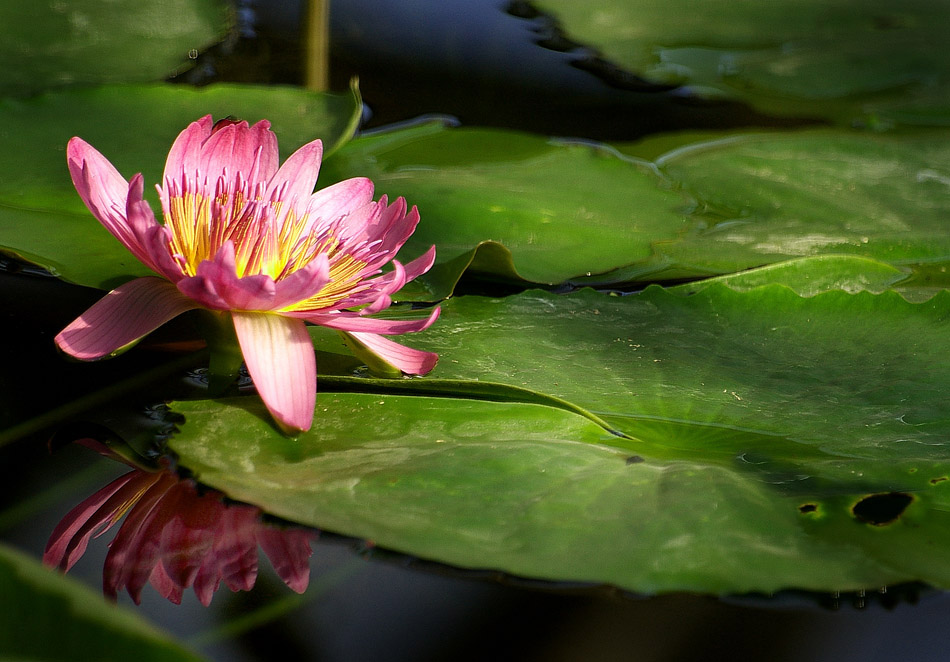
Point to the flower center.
(269, 236)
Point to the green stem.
(225, 359)
(317, 45)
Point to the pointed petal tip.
(279, 356)
(290, 428)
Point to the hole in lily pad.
(939, 479)
(881, 509)
(808, 508)
(635, 459)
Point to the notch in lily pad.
(881, 509)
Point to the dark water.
(493, 63)
(482, 63)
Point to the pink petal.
(413, 270)
(303, 283)
(289, 552)
(238, 148)
(142, 226)
(166, 586)
(185, 154)
(235, 548)
(296, 178)
(393, 227)
(156, 242)
(421, 264)
(71, 536)
(132, 555)
(408, 360)
(217, 280)
(207, 580)
(280, 359)
(123, 316)
(189, 534)
(348, 321)
(145, 549)
(103, 189)
(357, 224)
(217, 286)
(338, 200)
(396, 280)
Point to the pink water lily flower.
(252, 240)
(176, 537)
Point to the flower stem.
(225, 352)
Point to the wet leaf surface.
(562, 210)
(753, 425)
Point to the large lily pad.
(50, 617)
(872, 364)
(815, 58)
(42, 218)
(52, 44)
(562, 210)
(771, 197)
(724, 441)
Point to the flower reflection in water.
(176, 536)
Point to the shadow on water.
(487, 62)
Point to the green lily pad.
(771, 197)
(724, 441)
(876, 60)
(857, 360)
(51, 617)
(532, 491)
(42, 218)
(51, 44)
(809, 276)
(562, 210)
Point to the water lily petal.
(94, 515)
(122, 317)
(383, 299)
(235, 548)
(421, 264)
(268, 158)
(157, 242)
(237, 148)
(166, 586)
(294, 182)
(185, 154)
(395, 226)
(280, 359)
(132, 554)
(217, 286)
(408, 360)
(338, 200)
(101, 187)
(289, 552)
(303, 283)
(141, 224)
(189, 535)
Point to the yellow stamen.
(200, 225)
